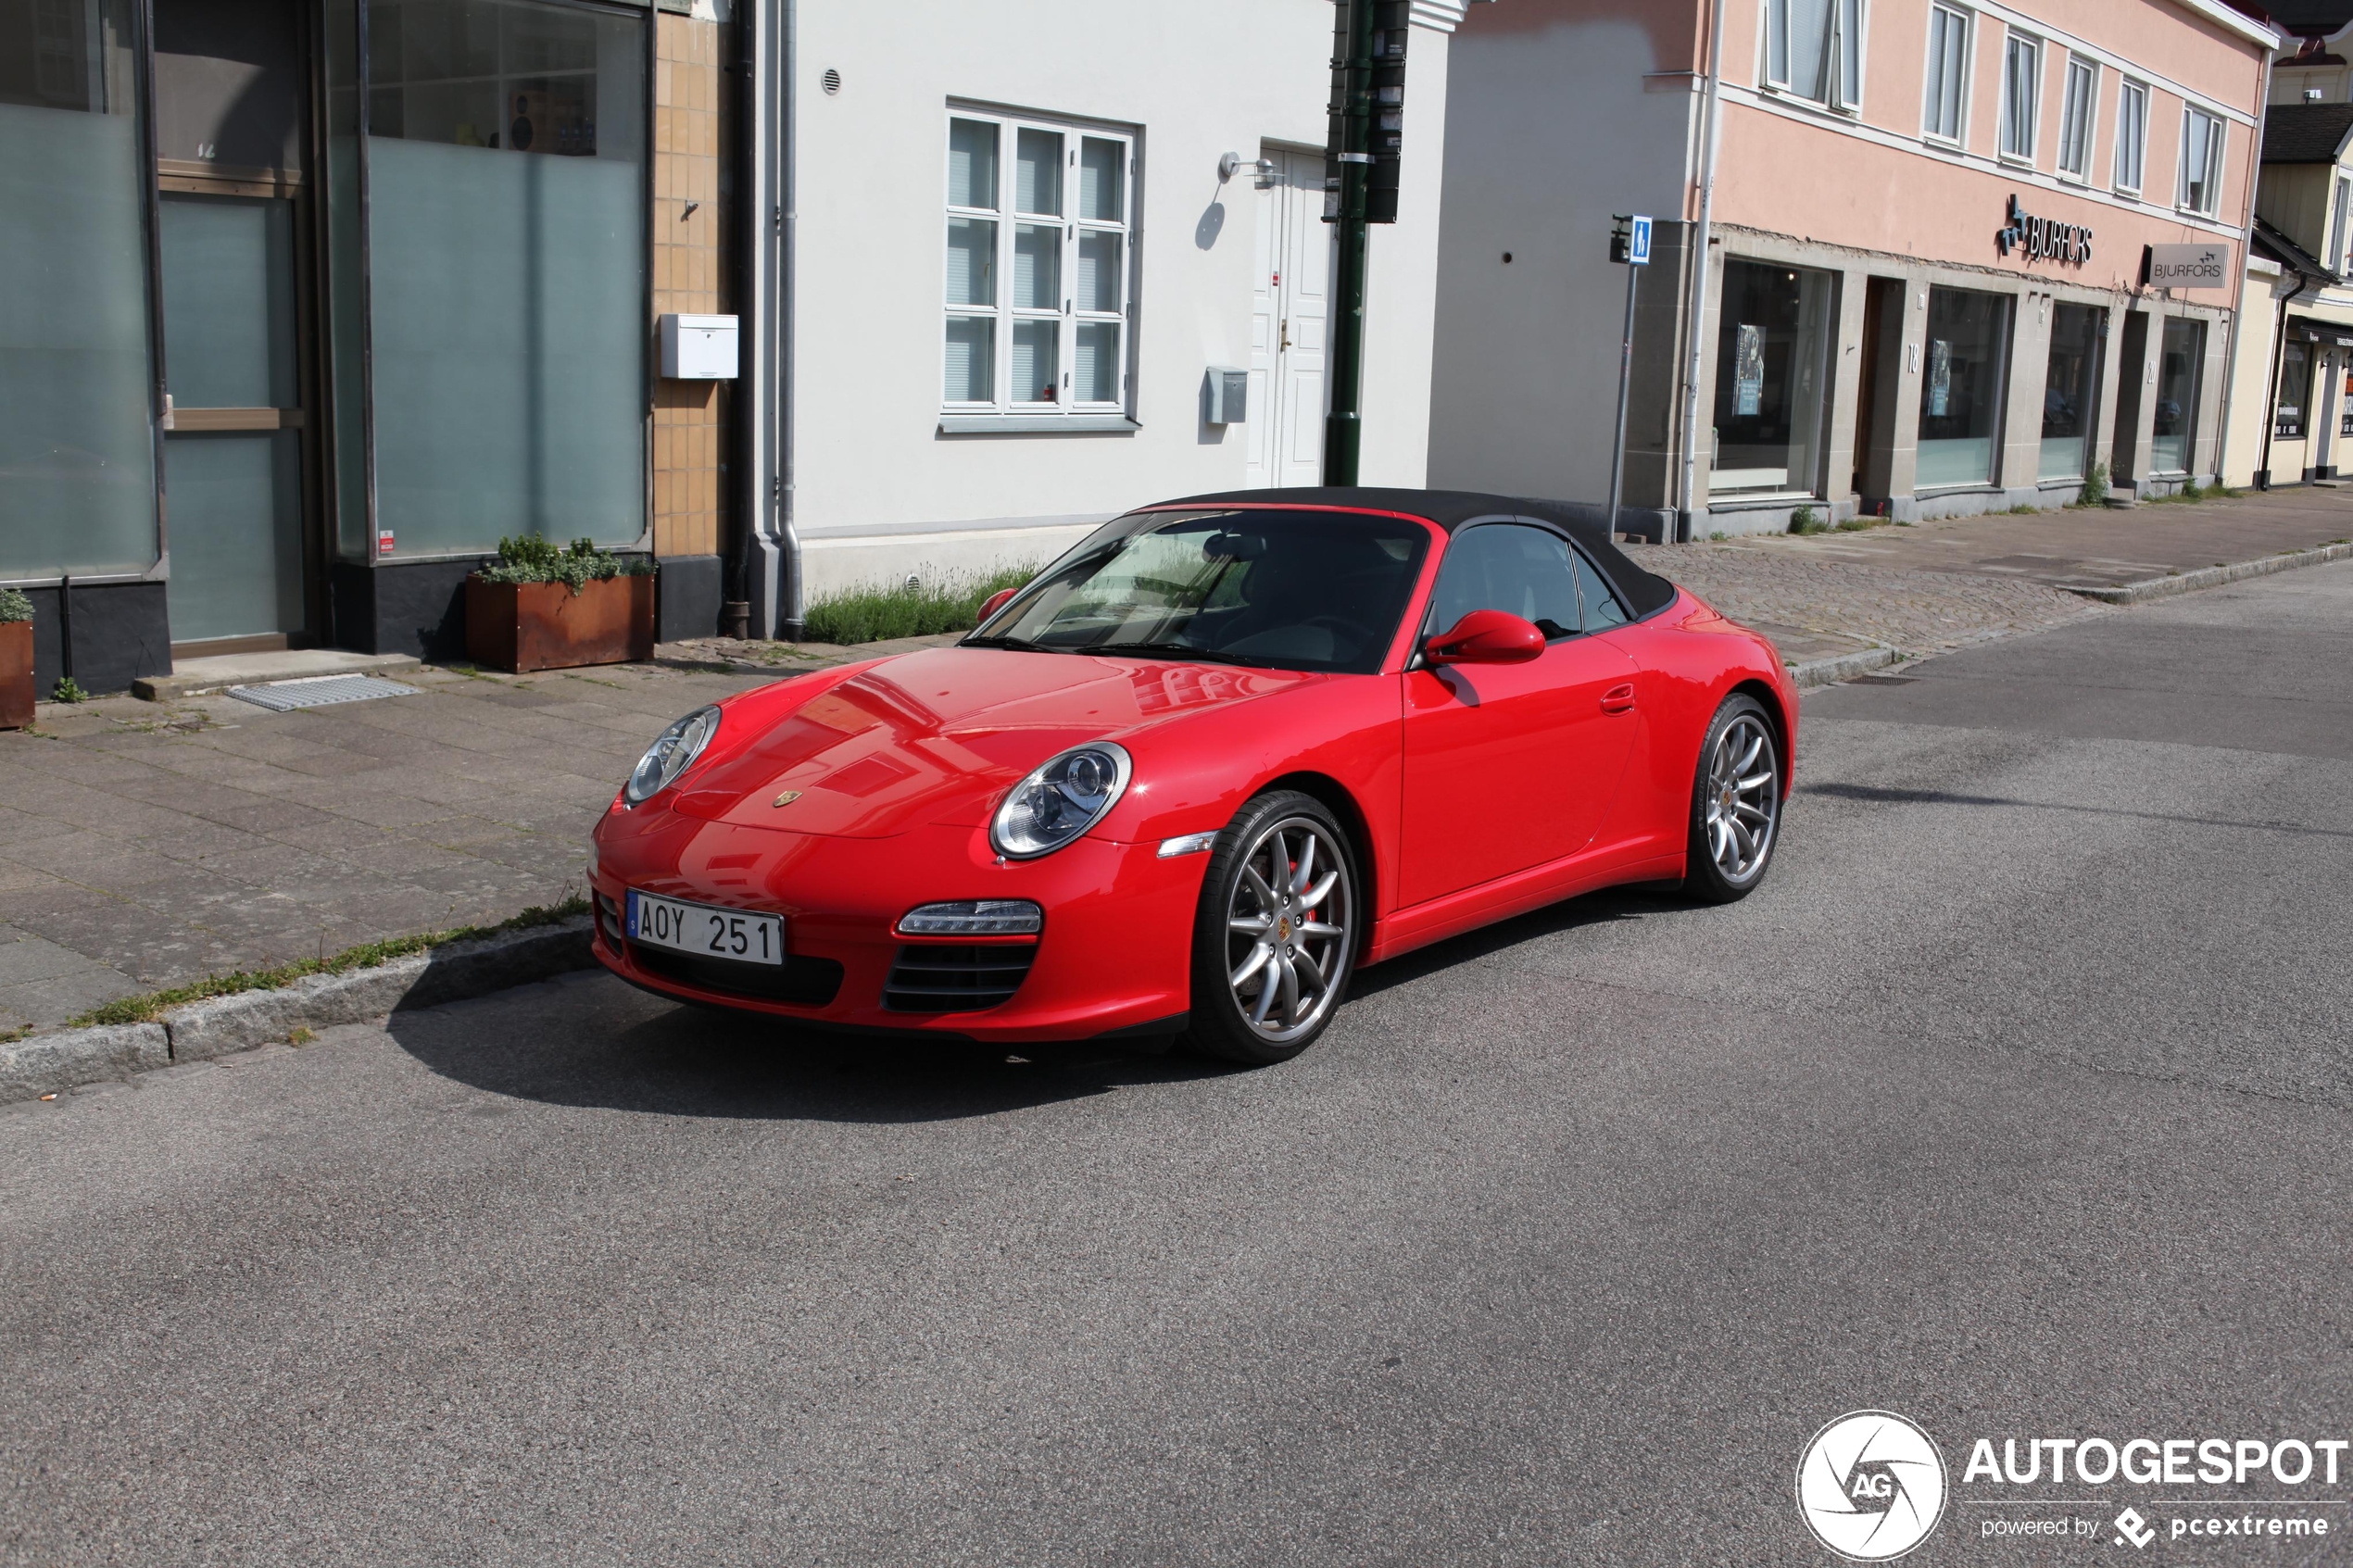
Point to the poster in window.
(1748, 370)
(1940, 377)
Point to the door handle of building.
(1286, 343)
(1618, 699)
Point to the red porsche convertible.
(1202, 768)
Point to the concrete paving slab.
(190, 676)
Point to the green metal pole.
(1343, 429)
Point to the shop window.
(2075, 118)
(2345, 405)
(2181, 349)
(1814, 50)
(1947, 89)
(1771, 353)
(1039, 236)
(77, 432)
(505, 252)
(1962, 374)
(2131, 134)
(2021, 95)
(2070, 387)
(2200, 187)
(2290, 410)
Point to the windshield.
(1292, 590)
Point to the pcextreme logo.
(1870, 1486)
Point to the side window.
(1602, 609)
(1508, 566)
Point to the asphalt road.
(2016, 1103)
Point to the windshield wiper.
(1173, 650)
(1021, 644)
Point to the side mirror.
(1486, 637)
(996, 602)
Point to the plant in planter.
(16, 660)
(549, 606)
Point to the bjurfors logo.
(1872, 1485)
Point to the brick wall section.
(690, 417)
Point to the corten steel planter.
(521, 626)
(16, 674)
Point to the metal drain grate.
(319, 691)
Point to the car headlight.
(1065, 797)
(670, 755)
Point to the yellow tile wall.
(690, 417)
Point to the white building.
(1005, 258)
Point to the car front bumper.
(1114, 956)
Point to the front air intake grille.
(955, 976)
(804, 981)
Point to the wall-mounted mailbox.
(1228, 396)
(698, 347)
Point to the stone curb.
(201, 1031)
(1842, 666)
(2214, 576)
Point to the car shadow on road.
(1605, 907)
(570, 1044)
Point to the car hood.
(937, 736)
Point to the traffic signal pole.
(1352, 140)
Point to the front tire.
(1275, 934)
(1736, 803)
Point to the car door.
(1509, 766)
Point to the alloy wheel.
(1743, 800)
(1287, 927)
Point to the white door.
(1290, 321)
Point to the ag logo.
(1872, 1485)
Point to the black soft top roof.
(1646, 593)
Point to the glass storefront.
(504, 272)
(2182, 346)
(1771, 353)
(1967, 347)
(2289, 413)
(77, 426)
(2070, 389)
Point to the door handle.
(1618, 699)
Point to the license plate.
(709, 933)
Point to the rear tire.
(1275, 934)
(1736, 803)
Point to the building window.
(2200, 189)
(2069, 386)
(2075, 118)
(2336, 224)
(1038, 227)
(2021, 94)
(2131, 134)
(1769, 383)
(2174, 428)
(2295, 390)
(1969, 335)
(1947, 74)
(1814, 50)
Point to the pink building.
(1926, 236)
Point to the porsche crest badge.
(787, 799)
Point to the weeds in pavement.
(1805, 520)
(2095, 491)
(147, 1009)
(1718, 537)
(10, 1037)
(2022, 509)
(67, 690)
(911, 609)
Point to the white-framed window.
(2199, 189)
(2077, 111)
(1039, 220)
(2021, 95)
(1814, 50)
(2131, 134)
(1947, 92)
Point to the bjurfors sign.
(2189, 266)
(2041, 238)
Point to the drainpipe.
(771, 544)
(2238, 287)
(2271, 378)
(1695, 311)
